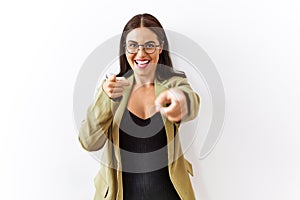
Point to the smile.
(141, 63)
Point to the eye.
(150, 45)
(132, 45)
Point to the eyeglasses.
(149, 47)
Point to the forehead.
(142, 35)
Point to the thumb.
(112, 78)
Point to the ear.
(161, 47)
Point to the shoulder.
(175, 81)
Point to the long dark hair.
(164, 69)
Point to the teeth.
(142, 62)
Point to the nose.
(141, 51)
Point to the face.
(144, 61)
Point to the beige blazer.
(100, 130)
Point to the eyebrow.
(144, 43)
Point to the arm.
(94, 129)
(192, 98)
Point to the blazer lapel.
(119, 111)
(159, 88)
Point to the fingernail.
(157, 108)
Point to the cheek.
(129, 58)
(155, 58)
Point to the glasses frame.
(142, 45)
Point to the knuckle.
(110, 90)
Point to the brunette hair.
(164, 69)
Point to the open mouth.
(141, 63)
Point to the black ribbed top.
(144, 157)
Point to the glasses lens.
(150, 47)
(132, 47)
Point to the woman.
(135, 118)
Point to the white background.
(254, 45)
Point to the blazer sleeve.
(193, 99)
(94, 129)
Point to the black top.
(144, 156)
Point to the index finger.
(121, 81)
(162, 99)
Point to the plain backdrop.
(254, 45)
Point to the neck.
(144, 80)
